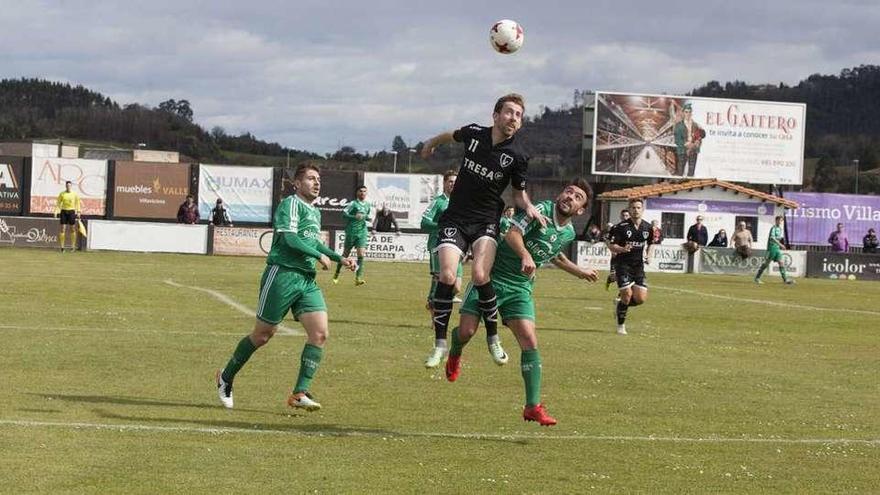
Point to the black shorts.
(68, 217)
(630, 274)
(464, 235)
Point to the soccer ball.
(506, 36)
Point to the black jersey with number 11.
(485, 171)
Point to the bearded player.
(526, 246)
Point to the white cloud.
(318, 74)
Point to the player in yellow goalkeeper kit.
(68, 204)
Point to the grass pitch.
(721, 387)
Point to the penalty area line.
(768, 303)
(366, 433)
(283, 330)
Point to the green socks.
(360, 270)
(784, 275)
(309, 361)
(241, 355)
(530, 363)
(457, 345)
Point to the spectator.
(869, 242)
(837, 239)
(697, 236)
(506, 219)
(220, 215)
(592, 234)
(188, 211)
(742, 241)
(384, 220)
(720, 239)
(656, 239)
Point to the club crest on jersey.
(553, 238)
(490, 229)
(645, 235)
(449, 232)
(505, 160)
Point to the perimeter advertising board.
(247, 241)
(406, 195)
(818, 214)
(844, 266)
(390, 247)
(89, 178)
(28, 232)
(247, 192)
(727, 261)
(665, 136)
(149, 190)
(10, 185)
(665, 259)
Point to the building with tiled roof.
(721, 205)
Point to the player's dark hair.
(583, 185)
(358, 188)
(67, 182)
(513, 98)
(302, 168)
(449, 173)
(636, 200)
(779, 217)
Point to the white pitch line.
(770, 303)
(118, 330)
(366, 433)
(282, 330)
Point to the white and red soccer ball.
(506, 36)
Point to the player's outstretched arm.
(562, 262)
(428, 148)
(514, 239)
(522, 201)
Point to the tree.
(399, 145)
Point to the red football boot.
(453, 367)
(537, 413)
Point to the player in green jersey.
(506, 220)
(288, 284)
(775, 245)
(429, 225)
(356, 216)
(526, 246)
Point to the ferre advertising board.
(149, 190)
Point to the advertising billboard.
(390, 247)
(682, 137)
(727, 261)
(819, 213)
(28, 232)
(843, 266)
(149, 190)
(406, 195)
(247, 192)
(89, 178)
(337, 190)
(146, 237)
(10, 185)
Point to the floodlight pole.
(395, 161)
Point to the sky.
(318, 75)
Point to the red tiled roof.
(654, 190)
